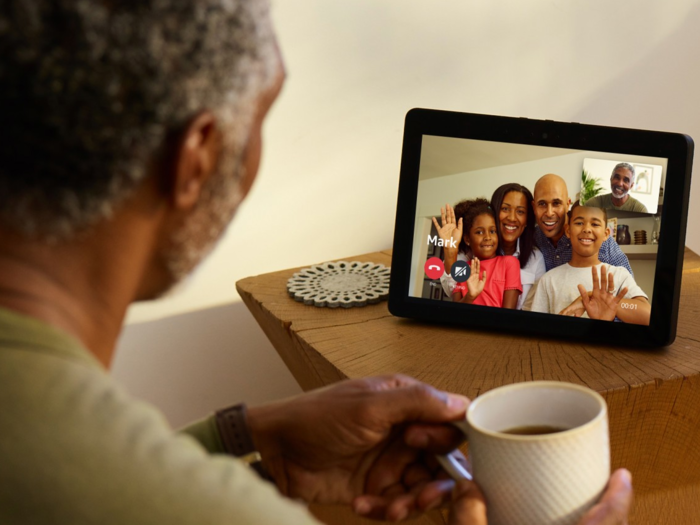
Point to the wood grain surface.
(653, 396)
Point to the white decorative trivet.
(341, 283)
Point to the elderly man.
(621, 182)
(131, 133)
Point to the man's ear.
(195, 161)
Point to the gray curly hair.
(91, 93)
(626, 166)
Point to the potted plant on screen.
(589, 187)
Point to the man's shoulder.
(67, 418)
(623, 277)
(596, 202)
(63, 395)
(620, 271)
(611, 253)
(609, 245)
(637, 205)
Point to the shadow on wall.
(192, 364)
(658, 91)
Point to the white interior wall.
(327, 186)
(434, 193)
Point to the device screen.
(558, 231)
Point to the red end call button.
(434, 268)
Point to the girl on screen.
(494, 279)
(515, 225)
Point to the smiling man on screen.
(619, 198)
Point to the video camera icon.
(460, 271)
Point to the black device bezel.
(676, 147)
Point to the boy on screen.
(602, 289)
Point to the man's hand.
(602, 303)
(468, 506)
(367, 442)
(450, 231)
(475, 284)
(371, 442)
(614, 507)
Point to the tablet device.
(483, 237)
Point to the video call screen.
(492, 187)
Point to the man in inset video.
(621, 182)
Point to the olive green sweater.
(76, 449)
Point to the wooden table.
(653, 396)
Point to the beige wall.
(194, 363)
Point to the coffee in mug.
(534, 430)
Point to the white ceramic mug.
(543, 479)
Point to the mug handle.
(450, 463)
(453, 467)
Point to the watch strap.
(232, 423)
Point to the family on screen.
(536, 251)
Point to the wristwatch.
(232, 423)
